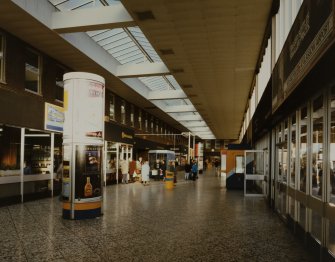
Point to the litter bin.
(169, 180)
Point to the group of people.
(132, 169)
(191, 170)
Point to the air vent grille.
(145, 15)
(166, 51)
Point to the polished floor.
(197, 221)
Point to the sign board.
(310, 35)
(53, 117)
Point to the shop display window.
(317, 147)
(33, 62)
(293, 150)
(303, 149)
(331, 241)
(37, 153)
(2, 57)
(331, 180)
(302, 215)
(316, 225)
(10, 143)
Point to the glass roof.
(130, 46)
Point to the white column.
(52, 157)
(22, 161)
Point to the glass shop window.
(60, 71)
(152, 124)
(2, 58)
(112, 107)
(123, 112)
(33, 62)
(303, 149)
(10, 140)
(331, 180)
(293, 149)
(317, 146)
(132, 112)
(140, 119)
(146, 122)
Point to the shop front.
(118, 146)
(29, 161)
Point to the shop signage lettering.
(310, 35)
(124, 135)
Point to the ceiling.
(217, 45)
(213, 47)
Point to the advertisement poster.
(88, 171)
(53, 118)
(85, 113)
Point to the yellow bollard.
(169, 180)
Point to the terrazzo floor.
(197, 221)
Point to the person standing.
(187, 171)
(194, 170)
(216, 164)
(124, 170)
(145, 173)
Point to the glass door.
(111, 170)
(281, 168)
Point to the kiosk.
(82, 142)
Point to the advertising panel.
(88, 171)
(86, 109)
(53, 117)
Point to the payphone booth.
(82, 145)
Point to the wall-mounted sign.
(53, 117)
(124, 135)
(310, 35)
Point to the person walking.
(194, 170)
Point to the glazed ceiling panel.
(216, 43)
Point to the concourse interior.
(197, 221)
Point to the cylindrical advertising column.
(84, 107)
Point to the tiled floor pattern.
(197, 221)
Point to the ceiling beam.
(166, 94)
(194, 124)
(90, 19)
(180, 109)
(142, 69)
(199, 129)
(188, 118)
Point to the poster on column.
(84, 104)
(88, 171)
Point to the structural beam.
(166, 94)
(188, 118)
(199, 129)
(180, 109)
(194, 124)
(141, 70)
(90, 19)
